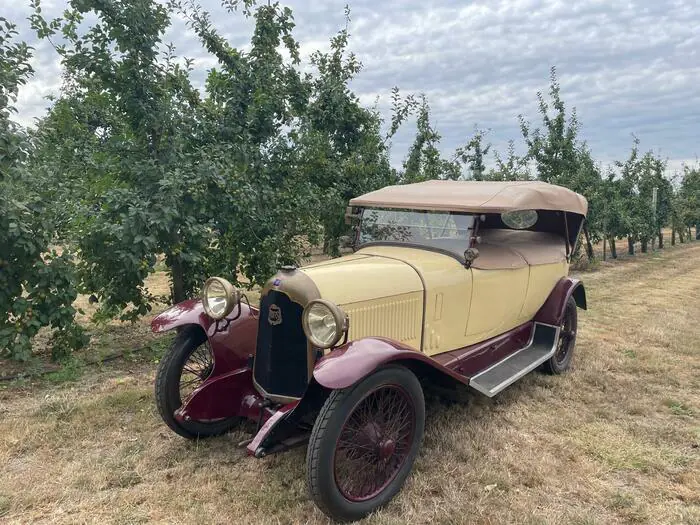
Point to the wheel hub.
(386, 449)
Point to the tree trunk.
(644, 246)
(630, 245)
(690, 234)
(589, 246)
(681, 235)
(605, 241)
(613, 248)
(661, 240)
(178, 276)
(697, 232)
(673, 236)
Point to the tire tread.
(312, 463)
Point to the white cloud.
(628, 67)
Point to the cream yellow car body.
(429, 300)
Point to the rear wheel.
(184, 367)
(560, 362)
(364, 443)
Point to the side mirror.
(470, 255)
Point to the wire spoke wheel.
(567, 335)
(563, 354)
(374, 443)
(364, 443)
(196, 369)
(185, 367)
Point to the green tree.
(424, 161)
(37, 284)
(613, 225)
(234, 182)
(689, 199)
(587, 180)
(339, 145)
(639, 220)
(554, 147)
(632, 212)
(561, 159)
(512, 167)
(141, 145)
(653, 219)
(472, 156)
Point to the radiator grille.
(281, 366)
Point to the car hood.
(363, 277)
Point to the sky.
(628, 67)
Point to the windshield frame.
(458, 255)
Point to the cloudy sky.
(627, 66)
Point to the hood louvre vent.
(397, 317)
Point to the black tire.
(393, 382)
(167, 387)
(560, 362)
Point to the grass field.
(617, 440)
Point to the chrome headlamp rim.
(339, 317)
(231, 295)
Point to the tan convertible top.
(475, 197)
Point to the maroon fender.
(226, 395)
(353, 361)
(552, 311)
(232, 342)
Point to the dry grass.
(615, 441)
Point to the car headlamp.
(219, 297)
(324, 323)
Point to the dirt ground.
(617, 440)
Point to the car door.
(499, 287)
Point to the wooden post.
(654, 199)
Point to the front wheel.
(184, 367)
(364, 443)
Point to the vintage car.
(459, 285)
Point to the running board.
(540, 348)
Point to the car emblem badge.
(274, 315)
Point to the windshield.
(446, 231)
